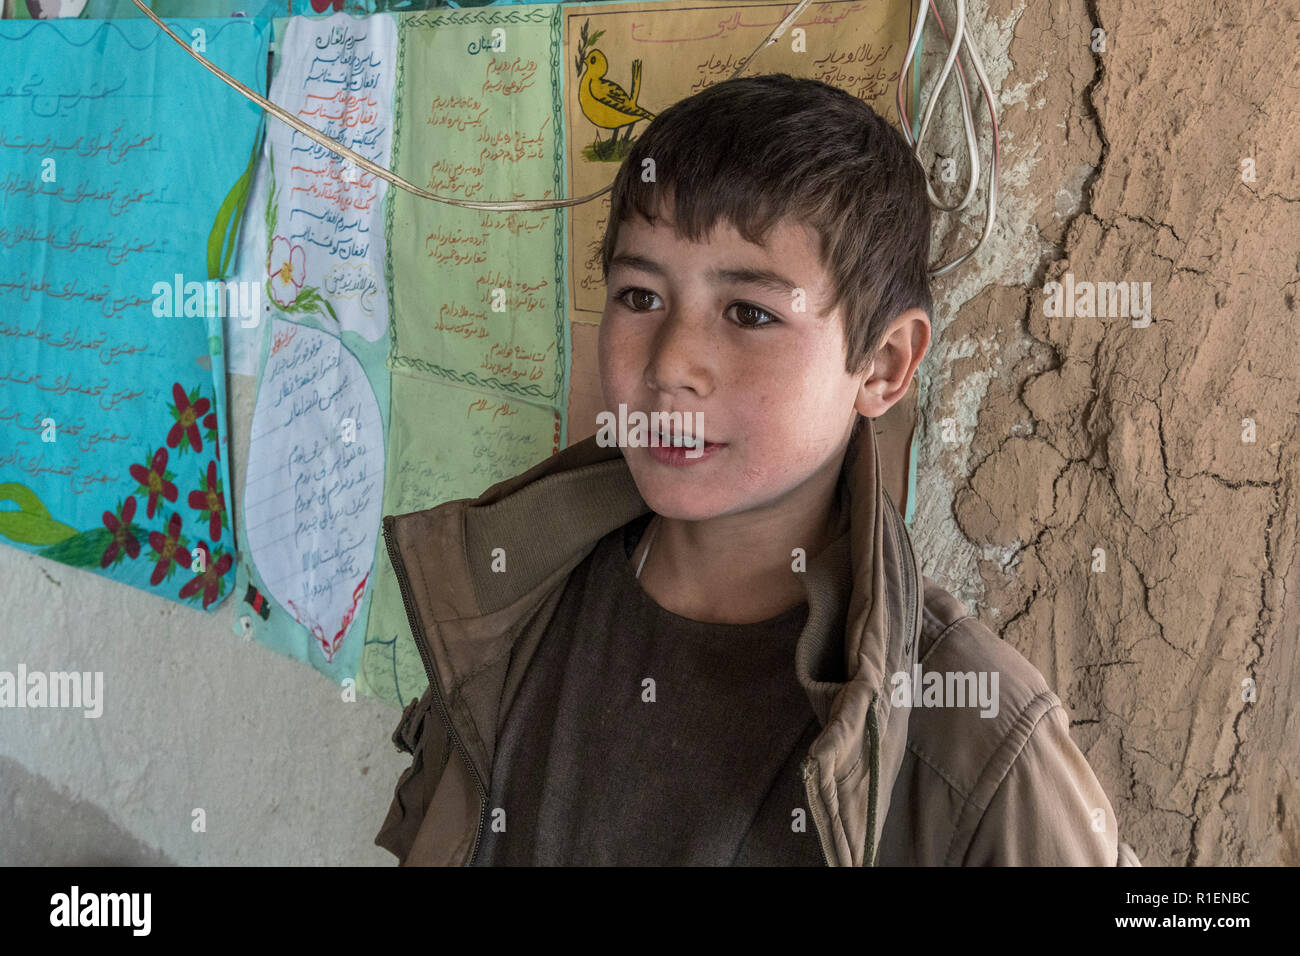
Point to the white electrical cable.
(915, 143)
(960, 34)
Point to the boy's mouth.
(680, 448)
(670, 439)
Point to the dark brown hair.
(756, 149)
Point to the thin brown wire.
(371, 167)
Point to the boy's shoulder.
(961, 743)
(992, 785)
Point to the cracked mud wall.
(1053, 444)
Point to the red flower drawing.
(210, 580)
(123, 539)
(210, 502)
(154, 481)
(186, 411)
(169, 548)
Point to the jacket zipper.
(815, 807)
(421, 644)
(901, 542)
(912, 582)
(901, 538)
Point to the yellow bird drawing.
(606, 103)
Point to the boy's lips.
(686, 440)
(679, 455)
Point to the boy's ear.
(889, 374)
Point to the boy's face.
(685, 330)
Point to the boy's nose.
(680, 356)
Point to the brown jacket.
(885, 784)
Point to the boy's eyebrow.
(764, 278)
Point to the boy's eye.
(746, 313)
(633, 291)
(744, 307)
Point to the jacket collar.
(864, 599)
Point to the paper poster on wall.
(310, 503)
(112, 394)
(478, 296)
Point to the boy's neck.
(739, 569)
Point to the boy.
(726, 652)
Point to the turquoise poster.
(123, 196)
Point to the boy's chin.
(675, 493)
